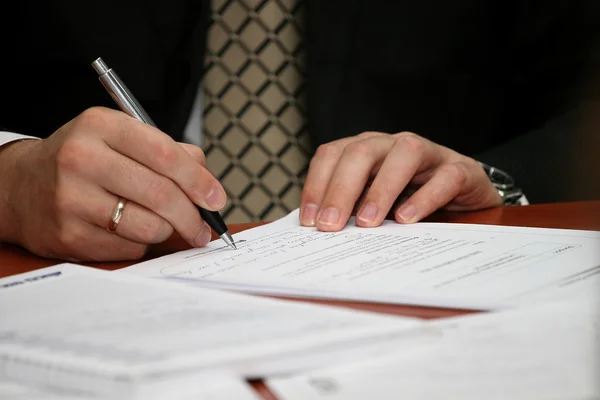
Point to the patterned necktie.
(255, 136)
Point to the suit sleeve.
(553, 163)
(555, 54)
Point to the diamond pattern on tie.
(255, 136)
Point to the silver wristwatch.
(504, 184)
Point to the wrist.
(13, 164)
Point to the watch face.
(500, 179)
(504, 184)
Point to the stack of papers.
(542, 345)
(543, 352)
(78, 328)
(80, 332)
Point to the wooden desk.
(580, 215)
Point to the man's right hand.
(57, 195)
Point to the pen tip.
(229, 240)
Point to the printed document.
(544, 352)
(205, 386)
(435, 264)
(75, 325)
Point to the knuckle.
(69, 236)
(310, 195)
(457, 172)
(73, 154)
(369, 134)
(164, 155)
(197, 154)
(328, 150)
(412, 143)
(360, 149)
(149, 230)
(91, 117)
(472, 164)
(127, 129)
(161, 193)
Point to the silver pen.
(128, 104)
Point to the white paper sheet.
(15, 391)
(543, 352)
(447, 265)
(204, 386)
(130, 328)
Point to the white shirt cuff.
(7, 137)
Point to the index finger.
(320, 171)
(159, 152)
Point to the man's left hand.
(427, 175)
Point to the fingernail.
(329, 216)
(215, 198)
(407, 213)
(203, 237)
(368, 212)
(309, 214)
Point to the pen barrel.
(123, 97)
(213, 219)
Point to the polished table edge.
(571, 215)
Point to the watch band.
(505, 185)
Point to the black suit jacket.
(502, 81)
(157, 48)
